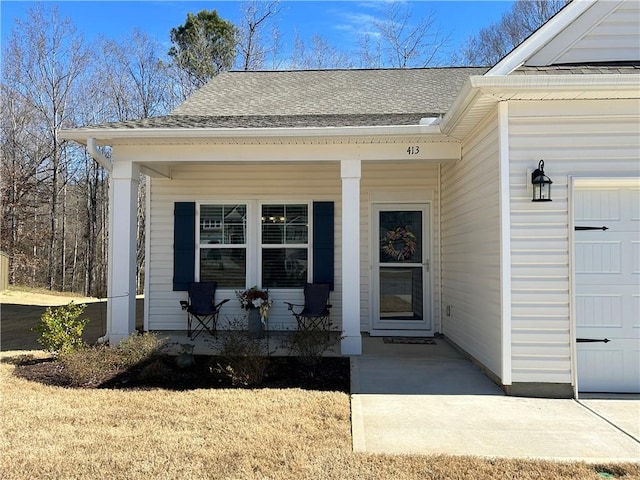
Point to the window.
(211, 244)
(222, 245)
(285, 245)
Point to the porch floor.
(435, 369)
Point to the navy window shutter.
(323, 248)
(184, 245)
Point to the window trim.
(253, 241)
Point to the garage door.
(607, 275)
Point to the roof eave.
(110, 136)
(500, 88)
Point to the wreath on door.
(399, 244)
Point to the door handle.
(427, 264)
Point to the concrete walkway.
(428, 399)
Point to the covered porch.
(397, 166)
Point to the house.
(411, 192)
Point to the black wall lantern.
(541, 184)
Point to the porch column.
(121, 287)
(350, 171)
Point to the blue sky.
(337, 21)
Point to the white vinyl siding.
(614, 39)
(273, 183)
(606, 32)
(227, 183)
(578, 138)
(471, 247)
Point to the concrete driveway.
(428, 399)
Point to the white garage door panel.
(607, 298)
(610, 367)
(599, 311)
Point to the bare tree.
(252, 44)
(319, 55)
(495, 41)
(46, 57)
(54, 196)
(134, 79)
(134, 87)
(22, 156)
(400, 41)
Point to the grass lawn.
(54, 432)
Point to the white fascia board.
(465, 100)
(622, 86)
(111, 135)
(540, 37)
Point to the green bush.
(60, 329)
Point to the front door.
(401, 270)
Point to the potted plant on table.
(257, 303)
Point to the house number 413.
(413, 150)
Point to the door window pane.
(400, 237)
(401, 293)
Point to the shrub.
(92, 366)
(244, 359)
(138, 348)
(96, 365)
(60, 329)
(309, 345)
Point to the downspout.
(440, 268)
(98, 156)
(107, 164)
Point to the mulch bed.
(332, 374)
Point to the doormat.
(411, 340)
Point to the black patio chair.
(314, 314)
(202, 308)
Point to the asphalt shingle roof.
(332, 98)
(329, 92)
(315, 98)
